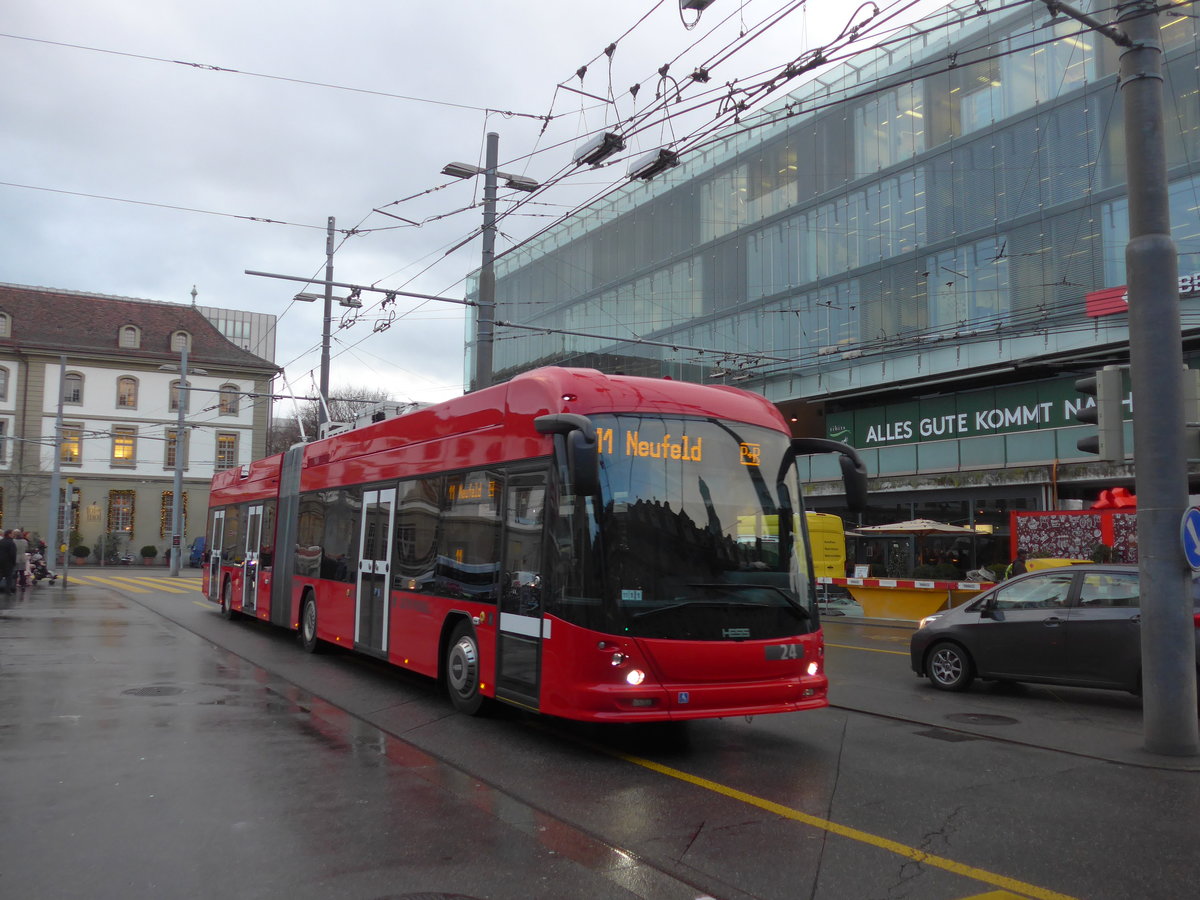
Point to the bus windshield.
(683, 541)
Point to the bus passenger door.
(254, 517)
(217, 536)
(518, 663)
(374, 572)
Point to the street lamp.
(177, 495)
(486, 311)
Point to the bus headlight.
(813, 668)
(635, 676)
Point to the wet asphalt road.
(149, 748)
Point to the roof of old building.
(73, 322)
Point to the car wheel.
(462, 670)
(949, 667)
(308, 624)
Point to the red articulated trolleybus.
(595, 547)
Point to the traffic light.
(1191, 411)
(1107, 390)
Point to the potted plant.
(80, 554)
(148, 554)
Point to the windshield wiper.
(791, 601)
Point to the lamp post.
(481, 375)
(70, 505)
(176, 550)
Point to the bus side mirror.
(583, 460)
(854, 471)
(584, 463)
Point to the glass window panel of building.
(171, 443)
(124, 445)
(73, 388)
(175, 392)
(226, 450)
(120, 511)
(889, 128)
(228, 402)
(127, 392)
(71, 446)
(1184, 198)
(968, 286)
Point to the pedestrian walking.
(1017, 566)
(21, 564)
(8, 560)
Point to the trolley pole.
(323, 403)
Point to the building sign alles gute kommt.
(1023, 407)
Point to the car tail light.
(1196, 619)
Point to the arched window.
(229, 400)
(73, 389)
(179, 340)
(127, 392)
(174, 404)
(131, 337)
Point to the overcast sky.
(204, 152)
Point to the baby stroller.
(37, 566)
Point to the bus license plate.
(785, 651)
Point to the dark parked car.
(1079, 625)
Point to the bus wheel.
(462, 670)
(308, 624)
(227, 599)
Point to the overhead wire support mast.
(1156, 365)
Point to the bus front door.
(217, 534)
(254, 518)
(374, 571)
(519, 650)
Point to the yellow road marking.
(868, 649)
(108, 582)
(125, 580)
(1013, 885)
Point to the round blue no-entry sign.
(1189, 533)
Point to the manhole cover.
(154, 690)
(980, 719)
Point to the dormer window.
(130, 337)
(180, 340)
(5, 325)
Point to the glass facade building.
(900, 254)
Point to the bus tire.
(462, 670)
(227, 599)
(307, 634)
